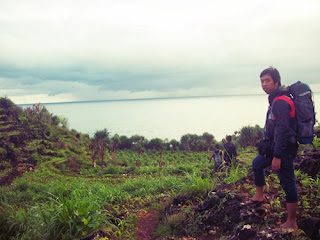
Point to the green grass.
(53, 203)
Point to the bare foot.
(258, 198)
(289, 225)
(254, 200)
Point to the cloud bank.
(94, 50)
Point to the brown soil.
(146, 225)
(15, 172)
(229, 215)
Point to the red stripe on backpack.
(289, 101)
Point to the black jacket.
(231, 151)
(280, 128)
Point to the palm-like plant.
(208, 138)
(115, 142)
(100, 143)
(185, 142)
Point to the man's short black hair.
(274, 73)
(229, 138)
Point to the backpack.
(217, 157)
(301, 100)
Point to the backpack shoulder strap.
(289, 101)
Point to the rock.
(311, 226)
(244, 232)
(309, 163)
(247, 232)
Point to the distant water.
(167, 118)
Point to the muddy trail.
(227, 213)
(147, 223)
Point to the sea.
(166, 118)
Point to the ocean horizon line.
(137, 99)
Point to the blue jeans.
(285, 174)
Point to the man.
(231, 151)
(280, 134)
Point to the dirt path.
(146, 225)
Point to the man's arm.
(281, 110)
(211, 157)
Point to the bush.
(72, 164)
(250, 136)
(112, 169)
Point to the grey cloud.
(109, 79)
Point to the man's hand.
(276, 164)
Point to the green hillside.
(31, 136)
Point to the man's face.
(268, 84)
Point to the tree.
(249, 136)
(185, 142)
(208, 138)
(138, 143)
(100, 143)
(155, 143)
(124, 142)
(174, 144)
(60, 121)
(115, 142)
(45, 116)
(36, 110)
(10, 109)
(192, 142)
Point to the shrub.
(72, 164)
(112, 169)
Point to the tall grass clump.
(74, 216)
(68, 210)
(144, 186)
(195, 185)
(180, 169)
(235, 173)
(22, 191)
(19, 223)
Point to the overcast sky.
(77, 50)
